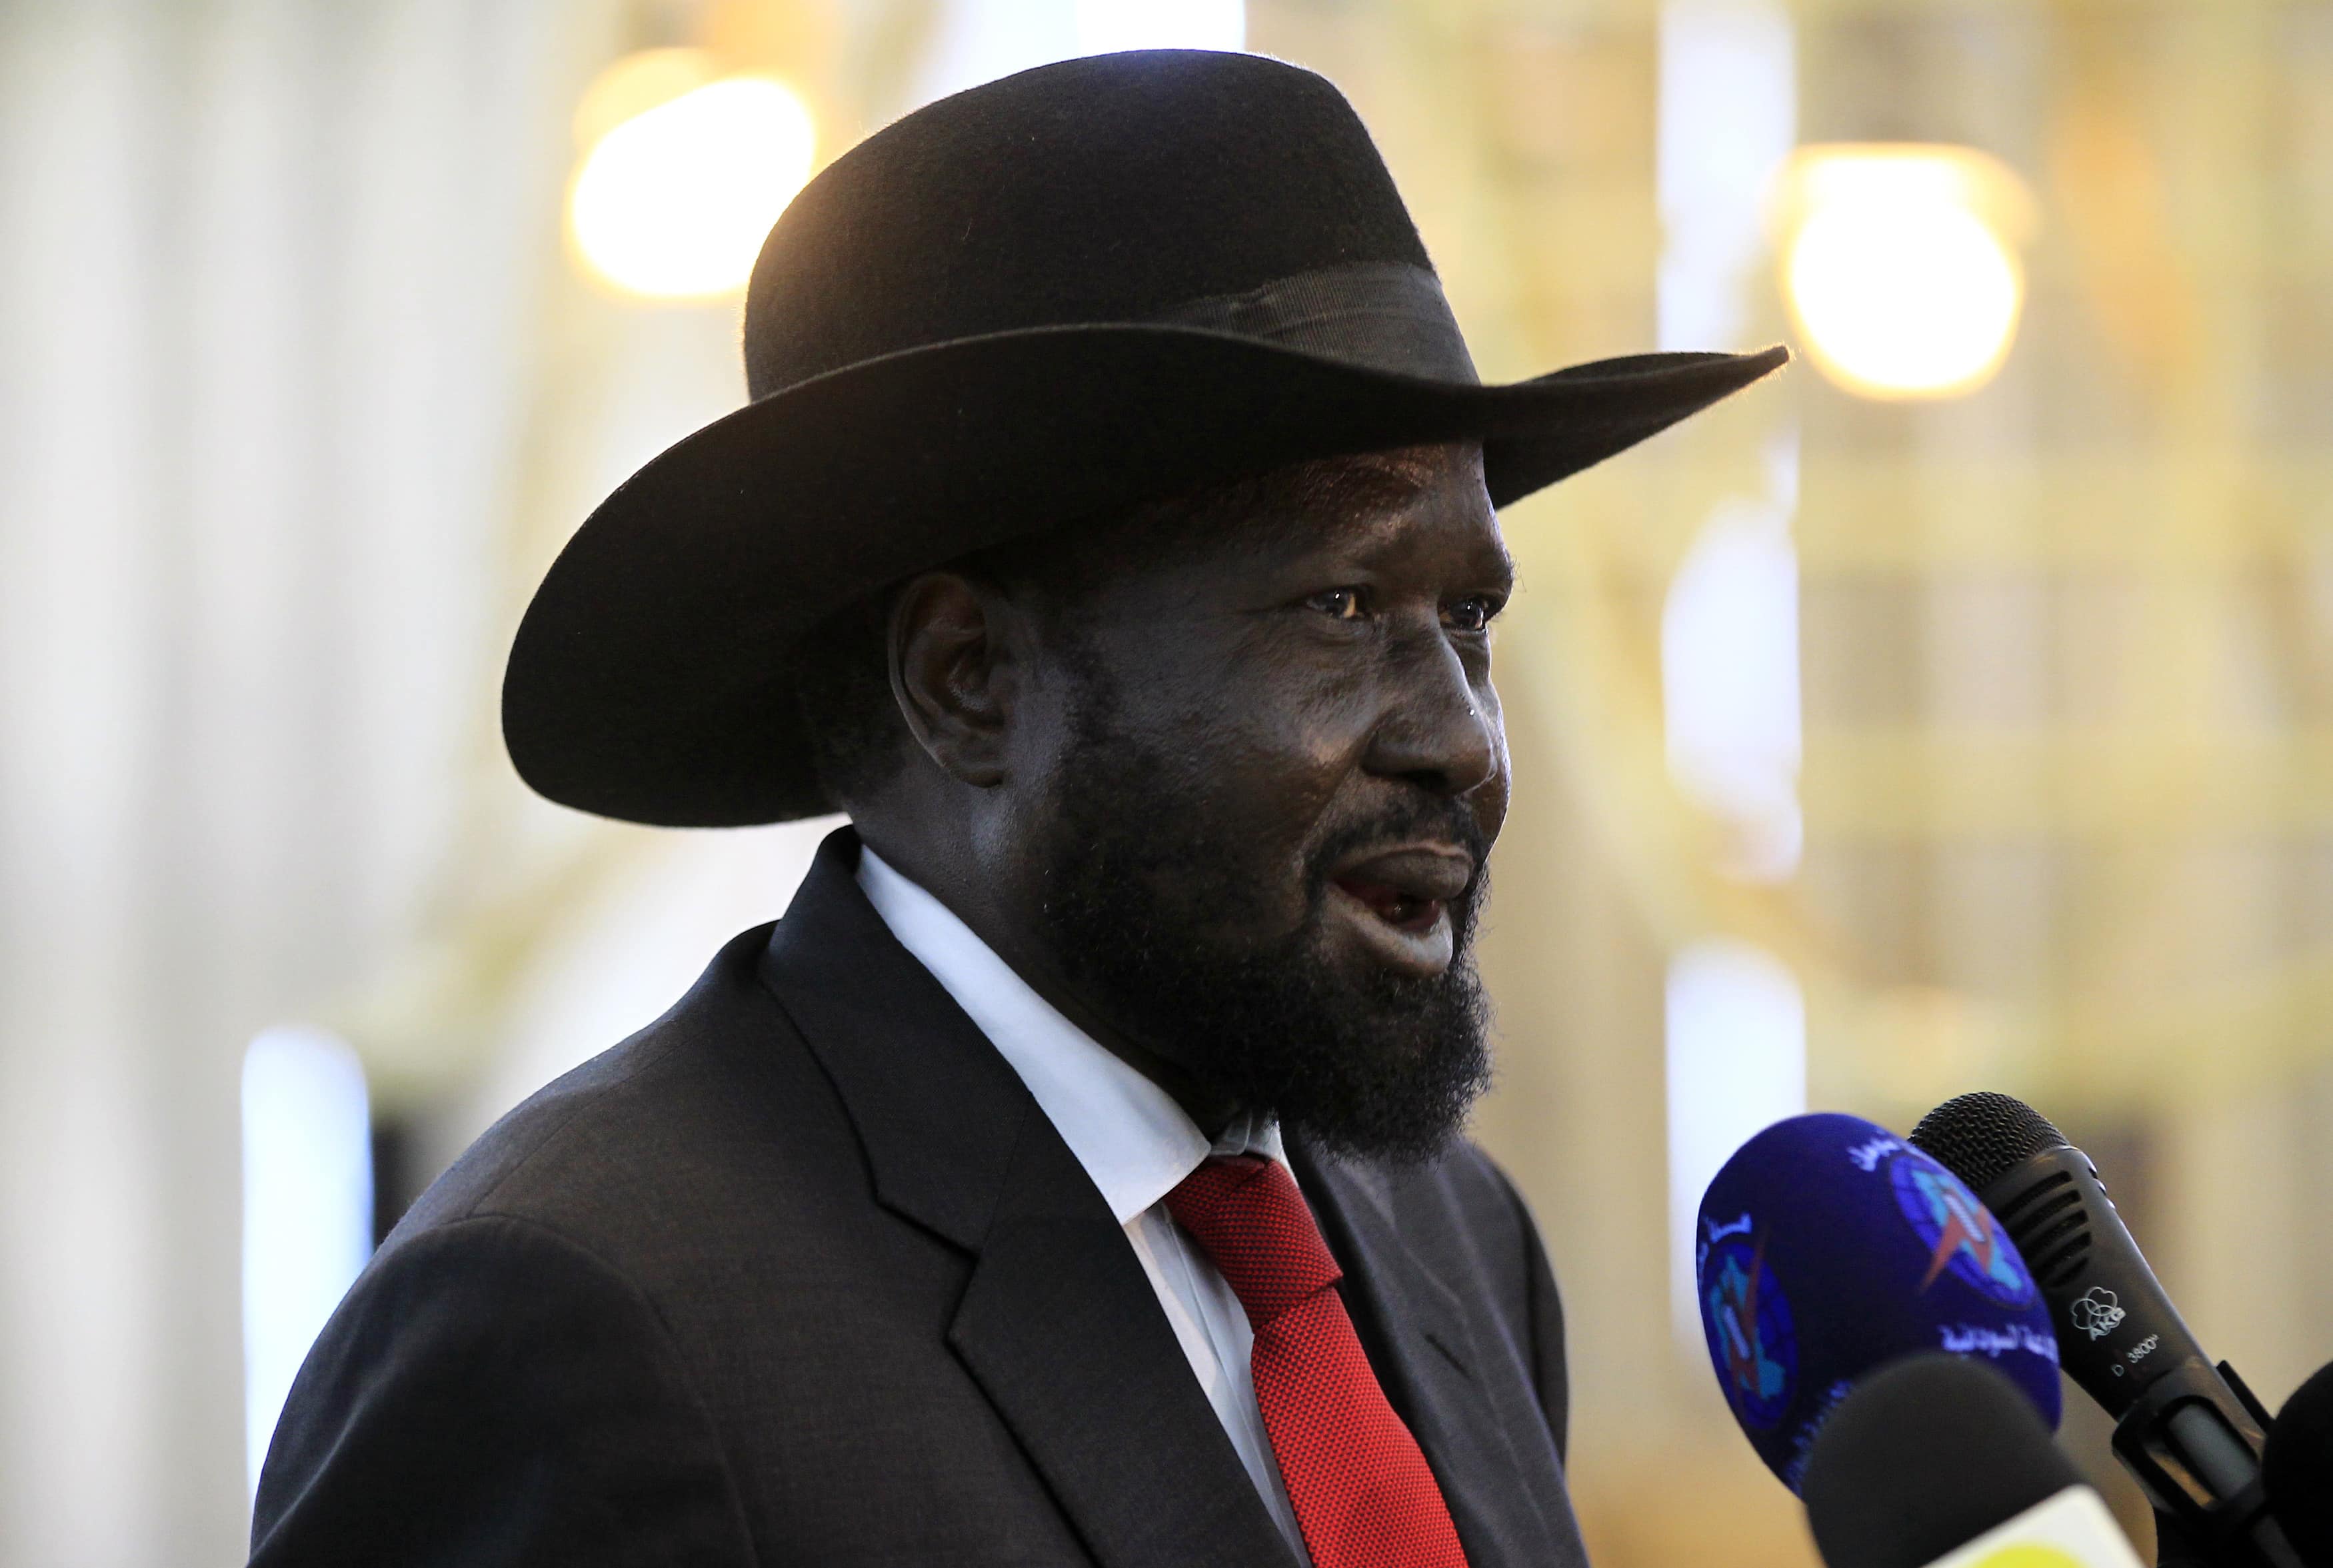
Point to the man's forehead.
(1380, 499)
(1385, 479)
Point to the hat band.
(1380, 315)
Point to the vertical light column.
(1737, 1062)
(1737, 1026)
(1728, 119)
(307, 1208)
(1730, 674)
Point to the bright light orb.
(1901, 268)
(673, 203)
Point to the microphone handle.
(2216, 1455)
(2208, 1463)
(2181, 1427)
(2178, 1418)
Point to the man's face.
(1265, 766)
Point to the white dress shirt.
(1131, 1137)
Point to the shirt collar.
(1133, 1139)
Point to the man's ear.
(955, 672)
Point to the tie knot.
(1247, 1215)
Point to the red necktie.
(1363, 1495)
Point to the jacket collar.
(1057, 1324)
(1129, 1134)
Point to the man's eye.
(1344, 604)
(1471, 615)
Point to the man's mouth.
(1398, 907)
(1399, 902)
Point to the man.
(1072, 1176)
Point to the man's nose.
(1436, 730)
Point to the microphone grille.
(1927, 1453)
(1979, 1136)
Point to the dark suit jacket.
(800, 1274)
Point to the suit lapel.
(1061, 1327)
(1058, 1323)
(1416, 1332)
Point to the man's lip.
(1428, 872)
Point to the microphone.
(1829, 1247)
(2191, 1434)
(1939, 1462)
(2297, 1468)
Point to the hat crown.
(1111, 188)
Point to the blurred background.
(1955, 712)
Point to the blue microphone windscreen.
(1827, 1247)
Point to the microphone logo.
(1959, 1232)
(2097, 1312)
(1751, 1337)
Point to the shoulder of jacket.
(579, 1141)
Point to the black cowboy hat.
(1097, 284)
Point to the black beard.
(1383, 1068)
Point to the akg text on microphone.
(1827, 1248)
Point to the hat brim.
(647, 680)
